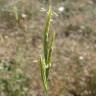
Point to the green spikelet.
(45, 62)
(15, 11)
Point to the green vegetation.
(45, 63)
(68, 70)
(14, 83)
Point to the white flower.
(81, 57)
(61, 9)
(24, 15)
(82, 27)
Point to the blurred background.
(73, 71)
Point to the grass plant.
(46, 61)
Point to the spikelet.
(45, 62)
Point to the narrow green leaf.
(43, 73)
(41, 68)
(50, 49)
